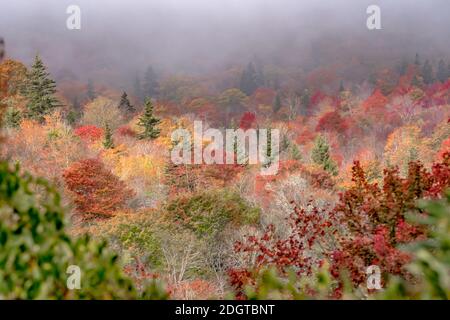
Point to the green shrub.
(35, 249)
(207, 213)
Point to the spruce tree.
(150, 82)
(149, 122)
(427, 72)
(305, 100)
(321, 155)
(442, 71)
(40, 92)
(125, 105)
(137, 87)
(248, 83)
(91, 90)
(13, 118)
(108, 142)
(417, 60)
(277, 103)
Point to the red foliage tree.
(89, 133)
(376, 102)
(247, 120)
(332, 121)
(96, 192)
(364, 228)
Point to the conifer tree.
(125, 105)
(442, 73)
(277, 103)
(150, 82)
(91, 90)
(248, 83)
(417, 60)
(427, 72)
(40, 92)
(137, 87)
(321, 156)
(341, 86)
(149, 122)
(108, 142)
(13, 118)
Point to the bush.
(35, 249)
(207, 213)
(95, 190)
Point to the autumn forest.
(359, 207)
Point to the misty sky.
(195, 36)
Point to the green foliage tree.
(248, 83)
(417, 60)
(321, 155)
(305, 101)
(207, 213)
(13, 117)
(91, 94)
(442, 73)
(431, 257)
(40, 91)
(108, 142)
(125, 105)
(149, 122)
(277, 103)
(150, 82)
(427, 72)
(137, 87)
(36, 250)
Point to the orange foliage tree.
(96, 192)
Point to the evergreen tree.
(295, 152)
(305, 100)
(40, 92)
(417, 60)
(442, 73)
(138, 88)
(248, 83)
(125, 105)
(149, 122)
(321, 155)
(259, 73)
(341, 86)
(427, 72)
(91, 90)
(150, 82)
(13, 118)
(277, 103)
(108, 142)
(403, 67)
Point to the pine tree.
(321, 155)
(150, 82)
(442, 73)
(91, 90)
(108, 142)
(125, 105)
(417, 60)
(248, 83)
(40, 92)
(137, 88)
(13, 118)
(277, 103)
(149, 122)
(305, 101)
(427, 72)
(341, 86)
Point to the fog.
(200, 36)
